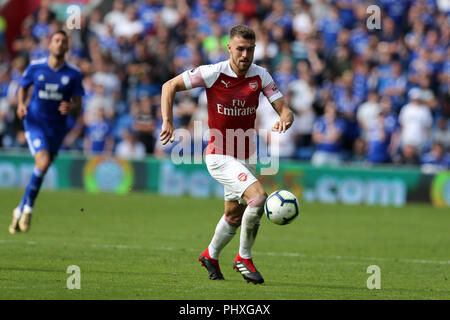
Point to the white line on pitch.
(267, 253)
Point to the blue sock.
(32, 189)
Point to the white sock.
(27, 209)
(17, 213)
(223, 234)
(249, 229)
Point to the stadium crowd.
(360, 94)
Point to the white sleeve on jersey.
(202, 76)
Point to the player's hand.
(286, 120)
(166, 134)
(281, 126)
(284, 123)
(65, 107)
(21, 111)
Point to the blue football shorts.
(41, 136)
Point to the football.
(281, 207)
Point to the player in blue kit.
(57, 91)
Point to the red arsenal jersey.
(232, 104)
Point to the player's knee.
(43, 166)
(233, 219)
(258, 200)
(43, 163)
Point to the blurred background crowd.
(359, 94)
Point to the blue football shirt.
(50, 88)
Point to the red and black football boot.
(247, 269)
(212, 265)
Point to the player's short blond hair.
(242, 31)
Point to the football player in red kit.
(233, 88)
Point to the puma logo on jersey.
(226, 83)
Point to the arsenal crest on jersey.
(253, 85)
(242, 177)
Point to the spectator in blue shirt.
(284, 74)
(107, 42)
(347, 105)
(346, 12)
(330, 27)
(359, 39)
(396, 9)
(147, 13)
(279, 16)
(388, 32)
(40, 50)
(444, 75)
(437, 51)
(41, 28)
(436, 160)
(395, 86)
(384, 64)
(227, 18)
(382, 135)
(98, 136)
(360, 81)
(199, 11)
(420, 65)
(415, 37)
(327, 134)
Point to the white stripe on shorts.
(29, 142)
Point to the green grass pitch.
(145, 246)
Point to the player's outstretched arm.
(286, 116)
(21, 102)
(167, 98)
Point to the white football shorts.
(234, 174)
